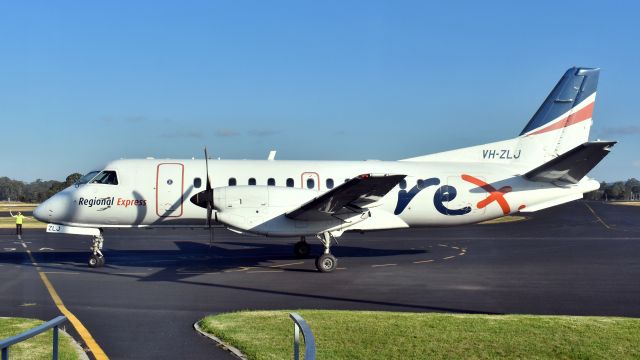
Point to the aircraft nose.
(40, 212)
(51, 210)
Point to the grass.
(504, 219)
(386, 335)
(10, 223)
(627, 203)
(38, 347)
(16, 206)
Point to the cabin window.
(232, 181)
(252, 181)
(402, 184)
(311, 183)
(329, 183)
(197, 182)
(106, 177)
(290, 182)
(346, 180)
(271, 182)
(420, 184)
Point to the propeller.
(208, 197)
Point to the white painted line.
(422, 261)
(129, 273)
(448, 257)
(45, 248)
(383, 265)
(289, 264)
(264, 271)
(10, 249)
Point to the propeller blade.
(209, 196)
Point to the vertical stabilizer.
(563, 120)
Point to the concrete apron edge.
(220, 343)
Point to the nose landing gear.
(97, 258)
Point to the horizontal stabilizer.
(350, 197)
(573, 165)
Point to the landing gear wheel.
(301, 249)
(96, 261)
(326, 263)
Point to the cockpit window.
(88, 177)
(106, 177)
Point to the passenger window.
(311, 183)
(252, 181)
(329, 183)
(403, 184)
(106, 177)
(271, 182)
(290, 182)
(232, 181)
(197, 182)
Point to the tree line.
(619, 190)
(33, 192)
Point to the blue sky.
(85, 82)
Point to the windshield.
(107, 177)
(85, 179)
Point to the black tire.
(96, 261)
(326, 263)
(301, 249)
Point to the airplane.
(544, 166)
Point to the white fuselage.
(157, 192)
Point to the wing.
(349, 198)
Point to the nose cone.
(53, 210)
(40, 212)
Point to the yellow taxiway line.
(95, 349)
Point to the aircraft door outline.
(309, 175)
(169, 189)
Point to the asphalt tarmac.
(576, 259)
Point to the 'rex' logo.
(494, 195)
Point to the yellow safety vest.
(19, 219)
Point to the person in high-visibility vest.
(19, 221)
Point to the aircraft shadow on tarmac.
(215, 258)
(198, 258)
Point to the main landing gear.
(301, 249)
(326, 262)
(96, 259)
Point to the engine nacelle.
(256, 197)
(262, 209)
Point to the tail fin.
(564, 119)
(561, 123)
